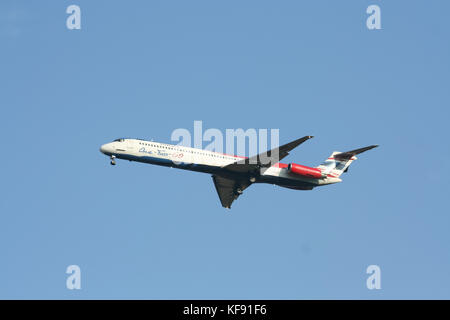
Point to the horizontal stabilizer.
(349, 154)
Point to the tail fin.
(338, 162)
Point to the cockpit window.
(119, 140)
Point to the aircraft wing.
(266, 159)
(229, 189)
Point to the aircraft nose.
(105, 148)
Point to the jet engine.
(305, 171)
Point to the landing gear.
(113, 160)
(255, 175)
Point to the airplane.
(233, 174)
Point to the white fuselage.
(203, 161)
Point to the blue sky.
(145, 68)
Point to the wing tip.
(303, 139)
(371, 147)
